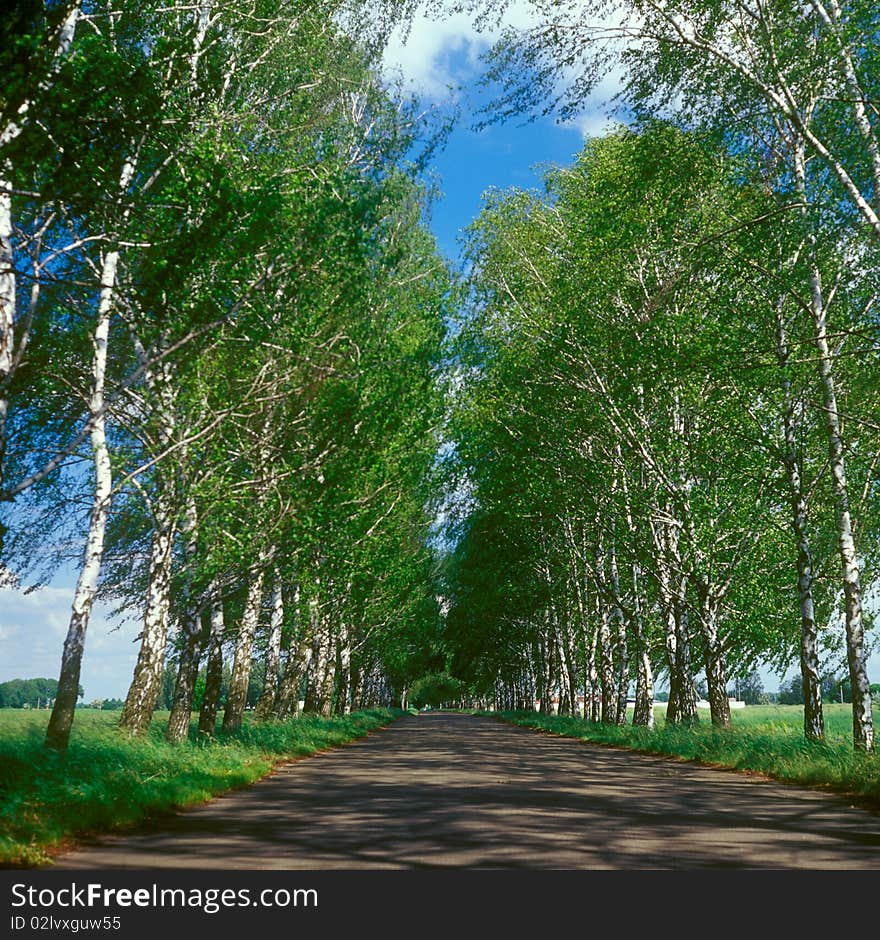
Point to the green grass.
(767, 739)
(107, 781)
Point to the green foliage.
(29, 693)
(751, 689)
(436, 689)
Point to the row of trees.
(666, 415)
(221, 321)
(29, 693)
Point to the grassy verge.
(763, 739)
(106, 781)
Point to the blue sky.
(439, 61)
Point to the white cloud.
(434, 55)
(32, 631)
(421, 53)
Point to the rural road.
(452, 791)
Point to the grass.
(107, 781)
(766, 739)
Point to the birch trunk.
(814, 723)
(214, 668)
(716, 680)
(606, 676)
(566, 690)
(356, 689)
(190, 635)
(541, 671)
(187, 673)
(266, 704)
(621, 641)
(687, 698)
(236, 697)
(61, 720)
(299, 656)
(862, 719)
(7, 303)
(316, 666)
(643, 714)
(343, 699)
(298, 662)
(146, 684)
(325, 669)
(670, 634)
(682, 705)
(671, 646)
(593, 677)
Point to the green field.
(106, 781)
(766, 739)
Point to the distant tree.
(792, 692)
(751, 689)
(30, 693)
(199, 690)
(166, 696)
(436, 689)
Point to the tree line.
(221, 316)
(664, 433)
(29, 693)
(227, 393)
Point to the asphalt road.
(452, 791)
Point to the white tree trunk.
(61, 721)
(716, 678)
(619, 619)
(266, 704)
(146, 684)
(863, 724)
(606, 667)
(236, 697)
(214, 668)
(593, 703)
(814, 725)
(190, 632)
(643, 714)
(7, 304)
(343, 706)
(297, 666)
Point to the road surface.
(453, 791)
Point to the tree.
(794, 89)
(31, 693)
(751, 688)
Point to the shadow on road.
(443, 790)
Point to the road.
(453, 791)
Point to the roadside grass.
(108, 781)
(766, 739)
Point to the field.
(107, 781)
(767, 739)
